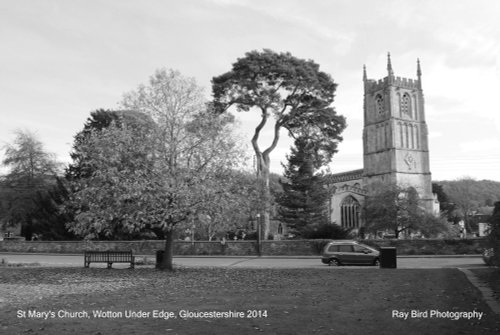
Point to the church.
(395, 148)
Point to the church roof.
(345, 176)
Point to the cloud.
(481, 146)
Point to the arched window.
(350, 212)
(379, 104)
(280, 229)
(406, 104)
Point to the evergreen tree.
(32, 170)
(303, 201)
(49, 223)
(99, 120)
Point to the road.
(403, 262)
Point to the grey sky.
(62, 59)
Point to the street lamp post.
(259, 238)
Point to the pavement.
(404, 262)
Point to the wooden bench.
(109, 257)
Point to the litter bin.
(388, 257)
(159, 257)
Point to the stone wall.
(433, 247)
(244, 248)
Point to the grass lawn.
(285, 301)
(490, 276)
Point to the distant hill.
(484, 192)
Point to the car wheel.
(334, 262)
(376, 262)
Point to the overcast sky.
(62, 59)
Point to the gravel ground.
(273, 301)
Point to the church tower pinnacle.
(390, 72)
(419, 74)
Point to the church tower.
(395, 138)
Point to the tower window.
(379, 104)
(406, 104)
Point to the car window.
(358, 248)
(345, 248)
(333, 248)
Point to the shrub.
(251, 235)
(325, 231)
(494, 236)
(318, 245)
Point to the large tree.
(230, 199)
(304, 198)
(463, 196)
(396, 209)
(152, 176)
(447, 208)
(32, 170)
(294, 92)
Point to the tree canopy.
(462, 195)
(482, 192)
(152, 175)
(291, 90)
(101, 119)
(396, 209)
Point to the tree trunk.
(263, 175)
(467, 226)
(263, 164)
(267, 210)
(166, 263)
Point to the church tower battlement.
(395, 135)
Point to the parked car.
(342, 252)
(488, 256)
